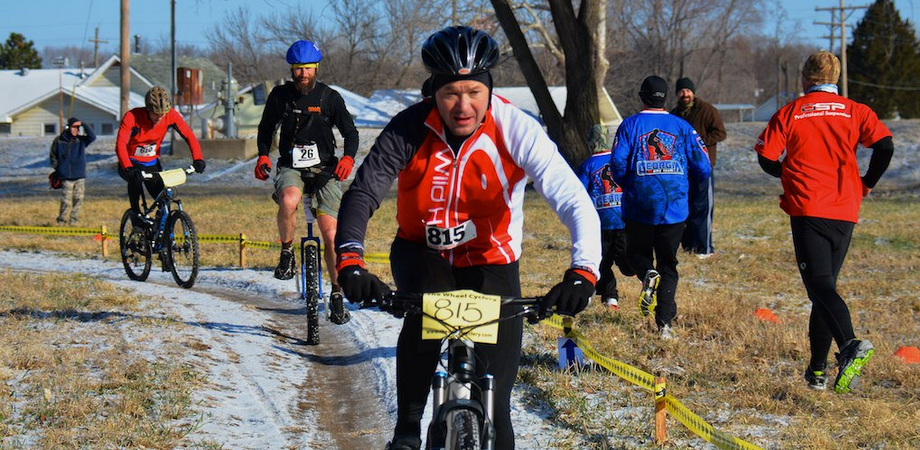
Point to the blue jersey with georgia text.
(595, 174)
(653, 155)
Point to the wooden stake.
(661, 409)
(242, 250)
(105, 243)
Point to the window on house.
(6, 129)
(50, 129)
(107, 129)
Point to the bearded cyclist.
(140, 136)
(306, 111)
(463, 157)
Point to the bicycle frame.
(310, 239)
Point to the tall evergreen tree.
(18, 53)
(884, 64)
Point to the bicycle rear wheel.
(134, 247)
(463, 431)
(310, 258)
(182, 248)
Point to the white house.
(35, 101)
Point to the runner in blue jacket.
(595, 175)
(653, 155)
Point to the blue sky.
(72, 22)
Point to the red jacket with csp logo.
(819, 133)
(469, 204)
(139, 139)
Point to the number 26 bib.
(305, 155)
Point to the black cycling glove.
(361, 286)
(199, 165)
(135, 174)
(571, 296)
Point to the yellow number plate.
(173, 177)
(461, 309)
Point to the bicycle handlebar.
(399, 303)
(148, 175)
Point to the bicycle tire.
(181, 242)
(463, 431)
(134, 247)
(311, 288)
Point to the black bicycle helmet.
(459, 51)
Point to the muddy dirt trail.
(338, 389)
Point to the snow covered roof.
(25, 88)
(383, 104)
(353, 102)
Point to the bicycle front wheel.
(310, 258)
(182, 248)
(134, 247)
(463, 431)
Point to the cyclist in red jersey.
(822, 191)
(140, 136)
(463, 157)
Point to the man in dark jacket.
(707, 122)
(68, 159)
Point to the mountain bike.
(164, 229)
(460, 420)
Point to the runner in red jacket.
(822, 192)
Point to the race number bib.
(305, 155)
(447, 238)
(461, 309)
(145, 150)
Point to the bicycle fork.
(450, 392)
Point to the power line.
(842, 9)
(881, 86)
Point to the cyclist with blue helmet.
(306, 111)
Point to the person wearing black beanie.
(654, 91)
(654, 157)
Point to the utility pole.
(843, 15)
(173, 88)
(125, 56)
(96, 43)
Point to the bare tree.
(578, 33)
(240, 41)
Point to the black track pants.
(664, 240)
(154, 185)
(820, 247)
(418, 269)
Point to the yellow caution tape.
(646, 381)
(220, 238)
(60, 231)
(704, 430)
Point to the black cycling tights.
(418, 269)
(154, 185)
(820, 247)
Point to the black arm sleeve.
(769, 166)
(90, 136)
(270, 117)
(878, 163)
(345, 124)
(392, 151)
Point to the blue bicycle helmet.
(304, 54)
(459, 51)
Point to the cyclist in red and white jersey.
(463, 157)
(140, 136)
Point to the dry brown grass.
(75, 373)
(742, 375)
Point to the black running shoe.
(337, 312)
(285, 269)
(850, 362)
(816, 379)
(648, 298)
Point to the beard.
(304, 84)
